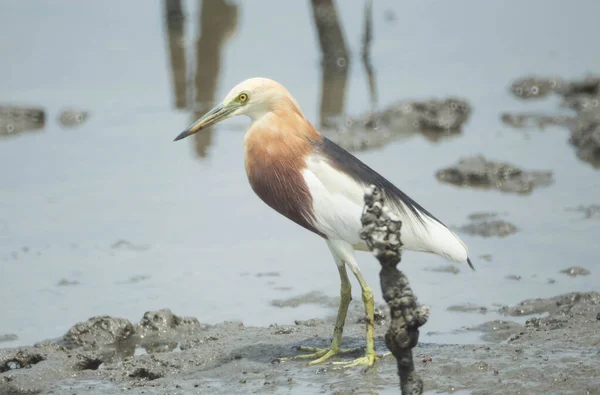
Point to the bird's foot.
(368, 360)
(319, 355)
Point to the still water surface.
(135, 222)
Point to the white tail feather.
(422, 233)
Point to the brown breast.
(275, 159)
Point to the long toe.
(368, 360)
(319, 355)
(325, 357)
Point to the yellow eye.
(243, 97)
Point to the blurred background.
(101, 213)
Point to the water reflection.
(175, 34)
(433, 119)
(366, 53)
(218, 20)
(335, 62)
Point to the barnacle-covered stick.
(381, 232)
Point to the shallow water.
(196, 235)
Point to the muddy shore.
(557, 350)
(581, 96)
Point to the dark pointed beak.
(215, 115)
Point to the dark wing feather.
(347, 163)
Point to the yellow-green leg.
(346, 252)
(369, 302)
(323, 354)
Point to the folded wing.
(337, 181)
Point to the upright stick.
(381, 232)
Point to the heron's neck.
(284, 122)
(275, 143)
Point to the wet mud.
(496, 331)
(537, 120)
(555, 351)
(72, 117)
(478, 172)
(582, 96)
(316, 298)
(8, 337)
(468, 308)
(488, 225)
(435, 119)
(15, 120)
(575, 271)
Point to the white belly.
(336, 214)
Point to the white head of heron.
(253, 97)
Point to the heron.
(312, 181)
